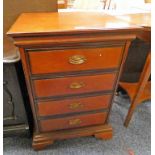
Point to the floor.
(134, 140)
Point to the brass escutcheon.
(75, 106)
(76, 85)
(77, 59)
(75, 122)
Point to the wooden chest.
(72, 63)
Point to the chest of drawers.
(72, 63)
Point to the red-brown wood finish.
(72, 122)
(141, 90)
(73, 85)
(71, 54)
(42, 140)
(58, 60)
(120, 72)
(34, 24)
(73, 105)
(28, 84)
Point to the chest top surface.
(140, 19)
(63, 22)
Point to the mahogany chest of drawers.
(72, 63)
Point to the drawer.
(72, 122)
(73, 105)
(73, 85)
(43, 62)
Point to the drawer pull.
(76, 85)
(75, 122)
(75, 106)
(77, 59)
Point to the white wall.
(125, 4)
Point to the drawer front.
(73, 85)
(72, 122)
(43, 62)
(73, 105)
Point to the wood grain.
(67, 22)
(58, 60)
(42, 140)
(139, 91)
(62, 86)
(73, 105)
(66, 123)
(139, 19)
(48, 40)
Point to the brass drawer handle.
(75, 122)
(77, 59)
(75, 106)
(76, 85)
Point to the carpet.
(134, 140)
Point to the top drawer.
(54, 61)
